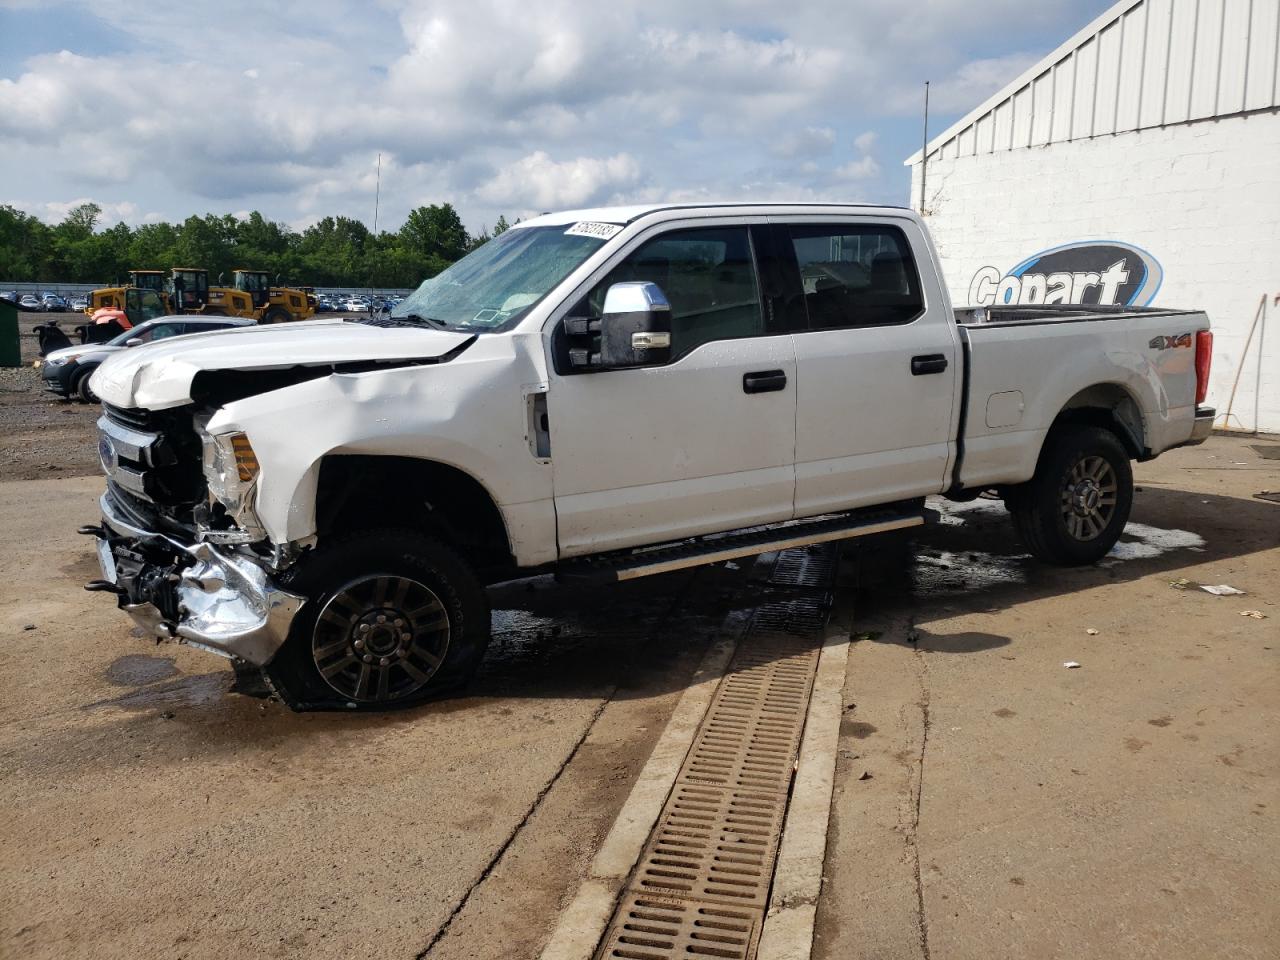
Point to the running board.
(610, 568)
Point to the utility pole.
(377, 199)
(924, 150)
(377, 196)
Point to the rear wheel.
(276, 315)
(393, 618)
(82, 388)
(1075, 507)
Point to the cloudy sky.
(159, 110)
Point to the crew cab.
(607, 394)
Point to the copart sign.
(1104, 272)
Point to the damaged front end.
(209, 597)
(181, 561)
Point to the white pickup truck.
(605, 393)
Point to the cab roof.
(631, 213)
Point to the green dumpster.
(10, 347)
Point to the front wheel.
(392, 618)
(1073, 510)
(82, 388)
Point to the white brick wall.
(1204, 199)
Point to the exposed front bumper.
(57, 379)
(209, 597)
(1203, 426)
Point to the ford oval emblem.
(106, 453)
(1101, 272)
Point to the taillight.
(1204, 356)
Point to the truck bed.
(1024, 364)
(1021, 315)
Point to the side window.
(709, 279)
(856, 276)
(163, 331)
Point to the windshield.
(497, 283)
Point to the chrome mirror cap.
(640, 296)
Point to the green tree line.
(336, 251)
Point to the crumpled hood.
(159, 375)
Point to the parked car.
(53, 303)
(10, 295)
(31, 303)
(66, 372)
(355, 305)
(607, 395)
(79, 303)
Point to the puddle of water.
(1151, 542)
(943, 572)
(958, 514)
(197, 691)
(139, 669)
(1139, 541)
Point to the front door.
(699, 444)
(879, 364)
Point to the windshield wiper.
(419, 318)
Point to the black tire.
(276, 315)
(1075, 507)
(81, 386)
(393, 618)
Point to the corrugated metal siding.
(1142, 64)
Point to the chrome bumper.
(1203, 426)
(225, 602)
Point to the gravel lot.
(989, 801)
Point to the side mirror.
(134, 342)
(635, 328)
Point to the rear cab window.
(855, 275)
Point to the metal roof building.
(1154, 129)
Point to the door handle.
(929, 363)
(764, 381)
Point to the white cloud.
(499, 106)
(538, 183)
(863, 168)
(55, 211)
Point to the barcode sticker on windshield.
(585, 228)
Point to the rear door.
(878, 362)
(699, 444)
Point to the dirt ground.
(990, 802)
(42, 435)
(1014, 807)
(149, 807)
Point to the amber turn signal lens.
(246, 459)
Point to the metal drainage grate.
(804, 567)
(658, 928)
(702, 883)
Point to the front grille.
(171, 473)
(133, 419)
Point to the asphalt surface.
(992, 802)
(150, 808)
(989, 801)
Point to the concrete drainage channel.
(702, 882)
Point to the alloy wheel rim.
(380, 638)
(1088, 497)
